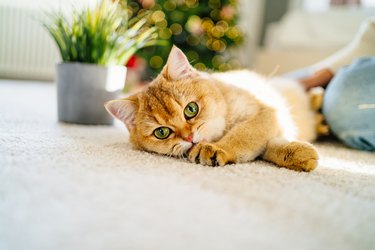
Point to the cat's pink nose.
(189, 138)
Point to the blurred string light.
(203, 29)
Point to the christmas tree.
(204, 30)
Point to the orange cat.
(221, 118)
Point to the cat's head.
(179, 108)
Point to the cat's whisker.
(179, 151)
(200, 129)
(170, 155)
(175, 149)
(180, 154)
(200, 126)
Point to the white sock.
(363, 44)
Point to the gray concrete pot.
(82, 89)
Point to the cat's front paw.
(209, 154)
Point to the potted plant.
(95, 44)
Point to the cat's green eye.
(191, 110)
(162, 132)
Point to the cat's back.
(255, 84)
(286, 96)
(244, 79)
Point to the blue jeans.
(349, 104)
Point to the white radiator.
(26, 49)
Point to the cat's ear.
(178, 66)
(124, 110)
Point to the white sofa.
(302, 38)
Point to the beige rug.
(83, 187)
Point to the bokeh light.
(204, 30)
(156, 62)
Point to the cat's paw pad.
(300, 156)
(209, 154)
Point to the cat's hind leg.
(316, 96)
(295, 155)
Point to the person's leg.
(349, 104)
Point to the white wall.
(251, 16)
(47, 4)
(26, 49)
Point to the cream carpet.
(83, 187)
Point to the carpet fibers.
(82, 187)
